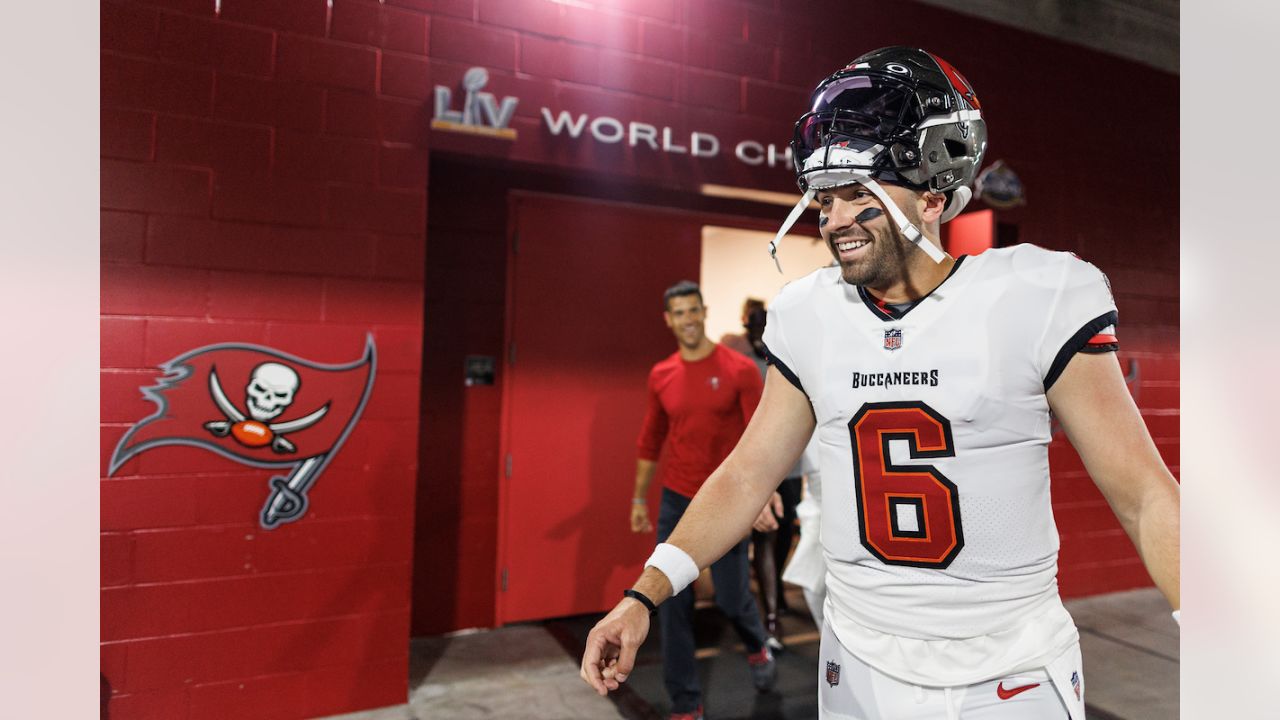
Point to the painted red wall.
(287, 132)
(258, 187)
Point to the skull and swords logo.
(271, 390)
(293, 414)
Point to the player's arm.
(1103, 423)
(640, 498)
(653, 433)
(719, 516)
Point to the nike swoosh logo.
(1006, 694)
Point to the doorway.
(584, 292)
(462, 500)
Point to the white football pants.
(849, 689)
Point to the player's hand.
(640, 519)
(767, 520)
(612, 644)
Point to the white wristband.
(1176, 614)
(676, 564)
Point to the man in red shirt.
(700, 399)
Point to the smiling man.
(930, 381)
(700, 399)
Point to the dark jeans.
(675, 616)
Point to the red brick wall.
(297, 132)
(257, 187)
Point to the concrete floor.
(1130, 646)
(530, 672)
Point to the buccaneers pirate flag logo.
(260, 407)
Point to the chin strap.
(905, 226)
(786, 225)
(841, 165)
(908, 230)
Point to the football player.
(930, 381)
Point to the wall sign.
(479, 370)
(999, 186)
(260, 407)
(483, 114)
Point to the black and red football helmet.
(898, 115)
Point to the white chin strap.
(792, 217)
(910, 231)
(836, 176)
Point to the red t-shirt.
(700, 410)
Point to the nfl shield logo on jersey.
(1075, 683)
(833, 673)
(893, 339)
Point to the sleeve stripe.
(786, 371)
(1099, 349)
(1078, 342)
(1102, 339)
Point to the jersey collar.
(888, 313)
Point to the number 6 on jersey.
(907, 514)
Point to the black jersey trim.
(787, 373)
(1077, 343)
(876, 310)
(1100, 348)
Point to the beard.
(890, 250)
(885, 262)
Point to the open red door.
(584, 327)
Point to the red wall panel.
(608, 29)
(470, 43)
(145, 84)
(224, 147)
(299, 16)
(367, 23)
(231, 213)
(270, 102)
(327, 63)
(127, 134)
(227, 47)
(662, 41)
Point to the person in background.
(770, 547)
(700, 400)
(741, 342)
(806, 567)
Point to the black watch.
(644, 599)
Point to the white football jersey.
(933, 431)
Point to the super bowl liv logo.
(481, 113)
